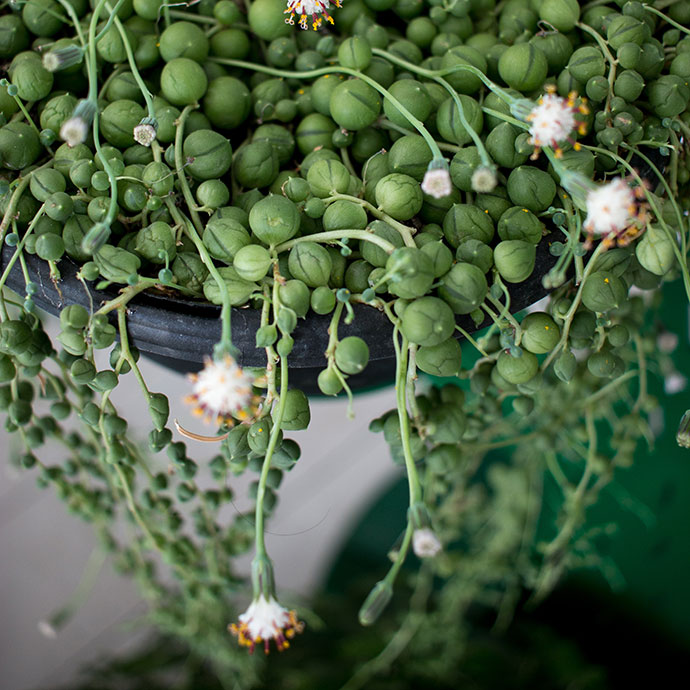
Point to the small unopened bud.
(484, 180)
(576, 184)
(436, 180)
(145, 131)
(95, 238)
(683, 433)
(375, 603)
(62, 58)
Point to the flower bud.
(683, 433)
(375, 603)
(62, 58)
(95, 238)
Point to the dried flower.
(553, 120)
(62, 58)
(307, 8)
(436, 180)
(145, 131)
(263, 621)
(425, 543)
(75, 129)
(223, 390)
(484, 180)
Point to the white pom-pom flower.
(425, 543)
(222, 391)
(74, 131)
(675, 383)
(263, 621)
(611, 208)
(484, 180)
(553, 121)
(145, 132)
(309, 8)
(436, 180)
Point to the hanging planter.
(283, 211)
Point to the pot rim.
(187, 330)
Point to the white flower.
(222, 390)
(47, 629)
(62, 58)
(437, 182)
(51, 61)
(667, 341)
(144, 134)
(263, 621)
(306, 9)
(74, 131)
(425, 543)
(551, 121)
(610, 208)
(483, 180)
(675, 383)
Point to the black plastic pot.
(180, 333)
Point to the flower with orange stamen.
(554, 119)
(263, 621)
(615, 211)
(222, 391)
(306, 9)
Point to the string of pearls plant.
(408, 155)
